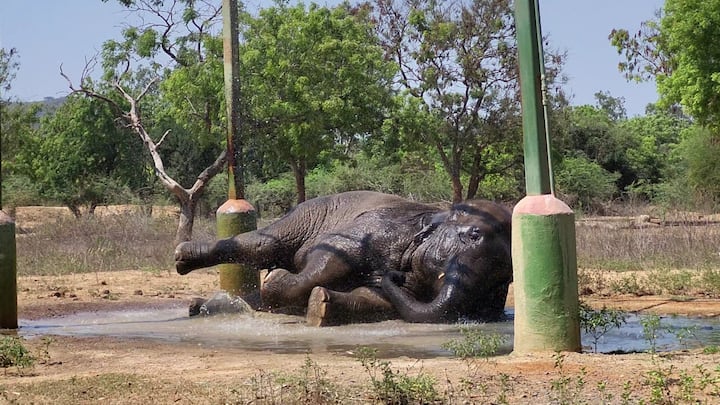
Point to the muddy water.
(288, 334)
(270, 332)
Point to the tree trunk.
(453, 170)
(475, 177)
(457, 187)
(299, 169)
(187, 220)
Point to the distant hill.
(48, 104)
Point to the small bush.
(392, 387)
(14, 354)
(475, 343)
(597, 323)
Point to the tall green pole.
(236, 215)
(8, 264)
(543, 235)
(8, 273)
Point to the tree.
(458, 62)
(81, 158)
(181, 30)
(679, 50)
(17, 126)
(317, 78)
(650, 148)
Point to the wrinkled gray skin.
(362, 256)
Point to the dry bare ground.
(135, 371)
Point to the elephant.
(365, 256)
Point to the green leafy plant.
(14, 354)
(475, 342)
(658, 379)
(310, 384)
(394, 387)
(597, 323)
(566, 389)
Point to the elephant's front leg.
(282, 288)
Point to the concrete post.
(233, 217)
(236, 215)
(545, 276)
(543, 235)
(8, 273)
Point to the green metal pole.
(543, 236)
(8, 273)
(236, 215)
(8, 264)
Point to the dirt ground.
(110, 370)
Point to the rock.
(220, 303)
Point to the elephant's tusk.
(441, 276)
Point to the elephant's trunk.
(442, 308)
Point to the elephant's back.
(348, 206)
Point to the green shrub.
(585, 181)
(597, 323)
(392, 387)
(14, 354)
(475, 342)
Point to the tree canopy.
(317, 78)
(680, 51)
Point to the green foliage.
(80, 157)
(585, 181)
(309, 385)
(14, 354)
(687, 29)
(276, 196)
(700, 150)
(458, 70)
(475, 342)
(650, 150)
(318, 80)
(17, 132)
(598, 323)
(393, 387)
(677, 50)
(272, 198)
(566, 389)
(652, 331)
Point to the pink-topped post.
(543, 234)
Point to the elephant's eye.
(471, 234)
(475, 233)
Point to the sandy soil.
(89, 370)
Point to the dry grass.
(130, 241)
(693, 247)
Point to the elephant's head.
(459, 266)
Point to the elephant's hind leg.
(327, 307)
(282, 288)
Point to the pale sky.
(48, 33)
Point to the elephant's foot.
(190, 256)
(274, 287)
(318, 308)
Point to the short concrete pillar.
(8, 273)
(545, 276)
(234, 217)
